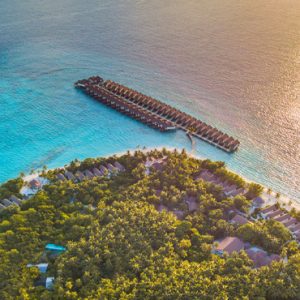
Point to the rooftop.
(230, 244)
(239, 219)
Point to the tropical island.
(145, 225)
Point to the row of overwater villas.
(157, 109)
(12, 200)
(174, 115)
(102, 171)
(127, 108)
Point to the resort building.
(69, 175)
(60, 177)
(229, 244)
(260, 257)
(103, 170)
(239, 220)
(15, 200)
(79, 176)
(6, 202)
(268, 210)
(35, 184)
(88, 174)
(258, 202)
(274, 214)
(120, 167)
(97, 172)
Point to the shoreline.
(269, 199)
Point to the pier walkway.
(153, 112)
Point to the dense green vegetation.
(269, 234)
(120, 247)
(11, 187)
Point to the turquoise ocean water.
(233, 64)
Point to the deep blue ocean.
(233, 64)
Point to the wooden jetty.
(153, 112)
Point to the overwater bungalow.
(167, 112)
(214, 133)
(227, 142)
(235, 145)
(182, 120)
(175, 117)
(156, 108)
(204, 129)
(223, 138)
(193, 123)
(218, 136)
(209, 131)
(230, 142)
(200, 129)
(199, 125)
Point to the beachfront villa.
(101, 171)
(239, 220)
(229, 245)
(276, 213)
(13, 200)
(259, 256)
